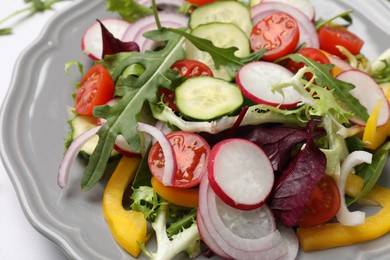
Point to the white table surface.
(18, 239)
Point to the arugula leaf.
(5, 31)
(122, 117)
(341, 89)
(221, 56)
(129, 10)
(345, 16)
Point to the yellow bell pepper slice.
(178, 196)
(128, 227)
(354, 185)
(335, 235)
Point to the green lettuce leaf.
(129, 10)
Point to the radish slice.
(92, 43)
(307, 30)
(169, 155)
(136, 30)
(344, 216)
(257, 78)
(241, 185)
(71, 154)
(368, 93)
(242, 233)
(305, 6)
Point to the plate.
(34, 122)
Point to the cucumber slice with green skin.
(207, 98)
(224, 12)
(80, 124)
(223, 35)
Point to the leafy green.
(145, 200)
(122, 117)
(129, 10)
(33, 7)
(340, 89)
(221, 56)
(345, 16)
(371, 172)
(382, 75)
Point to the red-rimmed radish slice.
(240, 173)
(169, 155)
(368, 93)
(305, 6)
(136, 30)
(71, 154)
(92, 43)
(307, 30)
(243, 241)
(257, 78)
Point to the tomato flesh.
(278, 33)
(200, 2)
(330, 37)
(96, 88)
(191, 68)
(311, 53)
(191, 152)
(323, 204)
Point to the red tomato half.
(311, 53)
(191, 152)
(323, 204)
(200, 2)
(96, 88)
(191, 68)
(330, 37)
(168, 97)
(278, 33)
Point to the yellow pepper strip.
(354, 185)
(126, 226)
(178, 196)
(335, 235)
(373, 137)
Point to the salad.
(245, 136)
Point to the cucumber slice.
(80, 124)
(222, 35)
(225, 12)
(206, 98)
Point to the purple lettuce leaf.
(112, 45)
(294, 186)
(278, 141)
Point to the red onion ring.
(136, 30)
(148, 3)
(71, 154)
(169, 155)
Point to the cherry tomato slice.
(96, 88)
(168, 97)
(311, 53)
(330, 37)
(278, 33)
(323, 204)
(191, 152)
(200, 2)
(191, 68)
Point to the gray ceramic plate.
(33, 124)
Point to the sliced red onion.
(305, 6)
(136, 30)
(233, 244)
(344, 216)
(307, 30)
(71, 154)
(169, 155)
(290, 239)
(175, 3)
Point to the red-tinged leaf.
(278, 141)
(296, 183)
(112, 45)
